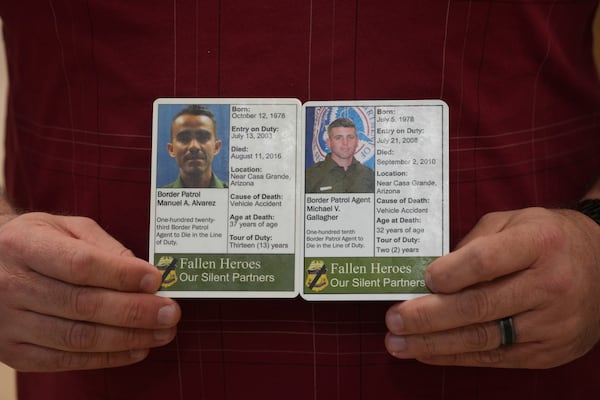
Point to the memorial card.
(375, 197)
(224, 198)
(342, 200)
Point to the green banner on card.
(226, 272)
(365, 275)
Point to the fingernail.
(162, 335)
(428, 281)
(167, 315)
(396, 344)
(138, 354)
(149, 283)
(395, 323)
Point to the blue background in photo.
(167, 169)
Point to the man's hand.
(542, 267)
(72, 297)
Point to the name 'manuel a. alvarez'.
(177, 198)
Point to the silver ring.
(508, 336)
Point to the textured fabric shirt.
(524, 130)
(328, 177)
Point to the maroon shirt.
(524, 125)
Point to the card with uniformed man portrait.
(270, 198)
(224, 197)
(375, 198)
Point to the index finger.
(485, 258)
(53, 253)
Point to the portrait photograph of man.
(337, 139)
(195, 139)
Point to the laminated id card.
(267, 198)
(375, 198)
(224, 197)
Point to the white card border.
(298, 175)
(445, 197)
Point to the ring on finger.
(508, 335)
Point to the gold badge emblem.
(316, 277)
(167, 266)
